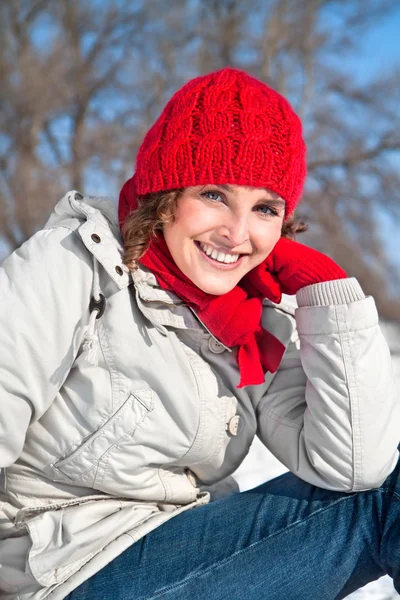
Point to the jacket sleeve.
(45, 291)
(331, 413)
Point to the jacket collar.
(107, 250)
(149, 290)
(164, 308)
(96, 222)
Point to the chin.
(215, 289)
(216, 292)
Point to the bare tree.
(68, 102)
(82, 82)
(351, 127)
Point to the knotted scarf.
(233, 318)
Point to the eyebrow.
(277, 201)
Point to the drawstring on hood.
(96, 307)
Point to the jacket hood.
(76, 206)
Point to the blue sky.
(381, 46)
(381, 50)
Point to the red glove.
(290, 267)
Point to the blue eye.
(212, 195)
(266, 210)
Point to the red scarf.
(234, 318)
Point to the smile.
(215, 256)
(219, 256)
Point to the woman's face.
(221, 232)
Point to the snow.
(260, 465)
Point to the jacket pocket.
(65, 539)
(81, 464)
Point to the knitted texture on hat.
(224, 127)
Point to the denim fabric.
(284, 540)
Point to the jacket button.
(215, 346)
(119, 270)
(234, 425)
(96, 238)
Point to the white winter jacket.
(109, 426)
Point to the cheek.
(171, 237)
(191, 220)
(268, 239)
(178, 237)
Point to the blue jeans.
(284, 540)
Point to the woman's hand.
(292, 266)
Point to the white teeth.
(219, 256)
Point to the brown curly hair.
(154, 210)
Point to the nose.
(235, 228)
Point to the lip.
(219, 265)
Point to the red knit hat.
(224, 127)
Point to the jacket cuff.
(338, 291)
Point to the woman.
(134, 378)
